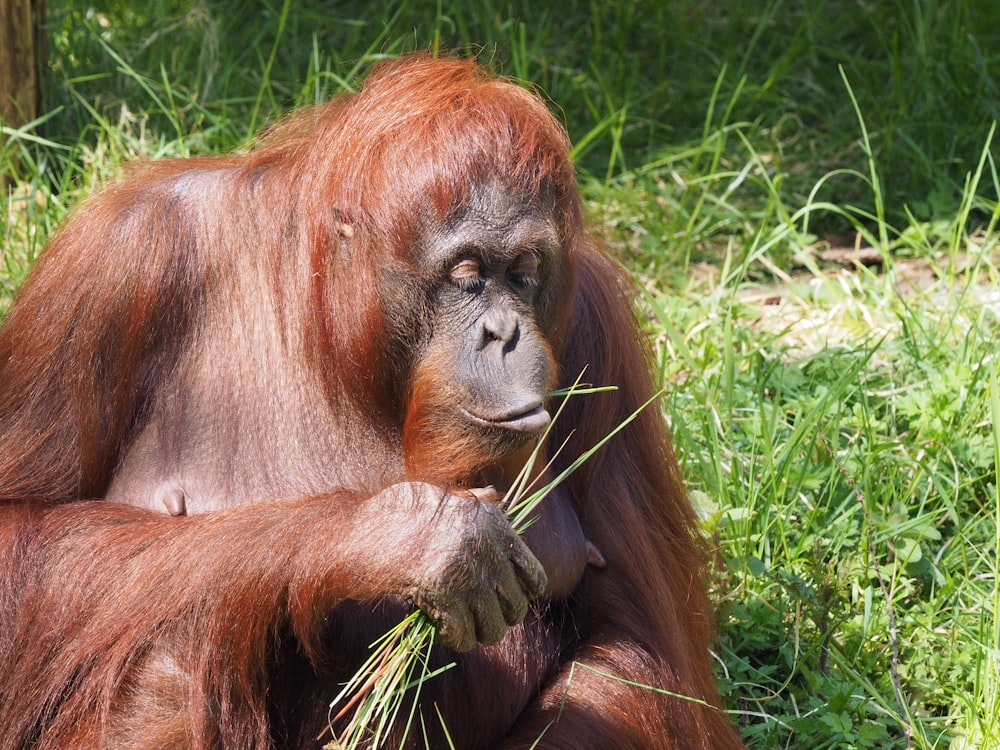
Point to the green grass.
(838, 426)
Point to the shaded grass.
(926, 73)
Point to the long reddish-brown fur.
(233, 282)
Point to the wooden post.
(21, 49)
(20, 21)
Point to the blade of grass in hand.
(378, 687)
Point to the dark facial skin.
(492, 273)
(490, 276)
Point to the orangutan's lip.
(531, 421)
